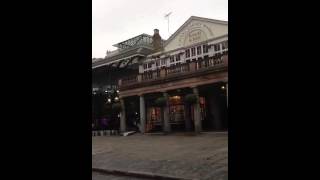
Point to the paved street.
(203, 156)
(98, 176)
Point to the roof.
(191, 19)
(126, 54)
(142, 39)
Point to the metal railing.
(217, 61)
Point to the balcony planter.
(161, 101)
(116, 107)
(191, 99)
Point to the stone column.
(197, 113)
(142, 114)
(122, 116)
(187, 117)
(166, 127)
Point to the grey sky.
(114, 21)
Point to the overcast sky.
(114, 21)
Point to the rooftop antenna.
(167, 16)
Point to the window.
(205, 48)
(188, 53)
(193, 51)
(145, 66)
(225, 45)
(158, 63)
(178, 57)
(149, 65)
(171, 59)
(199, 50)
(217, 47)
(163, 61)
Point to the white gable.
(196, 30)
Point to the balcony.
(185, 70)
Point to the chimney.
(156, 40)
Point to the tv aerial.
(167, 16)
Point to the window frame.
(199, 49)
(171, 59)
(205, 48)
(193, 51)
(178, 57)
(187, 51)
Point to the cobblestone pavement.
(98, 176)
(203, 156)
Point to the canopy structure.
(139, 46)
(143, 39)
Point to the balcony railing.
(214, 62)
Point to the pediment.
(195, 30)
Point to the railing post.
(119, 82)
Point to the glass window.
(178, 57)
(171, 59)
(158, 63)
(163, 61)
(149, 65)
(217, 47)
(205, 48)
(225, 45)
(187, 53)
(193, 51)
(199, 50)
(145, 66)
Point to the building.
(178, 84)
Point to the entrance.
(154, 120)
(216, 107)
(176, 113)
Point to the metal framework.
(143, 39)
